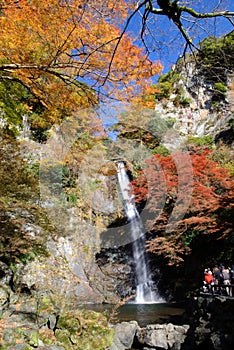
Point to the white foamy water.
(145, 288)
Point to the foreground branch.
(173, 11)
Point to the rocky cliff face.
(196, 113)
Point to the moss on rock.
(83, 330)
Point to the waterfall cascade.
(145, 290)
(26, 127)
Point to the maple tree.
(70, 54)
(209, 212)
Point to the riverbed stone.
(124, 335)
(156, 337)
(165, 336)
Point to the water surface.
(142, 313)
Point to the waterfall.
(26, 127)
(145, 291)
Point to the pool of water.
(142, 313)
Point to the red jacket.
(209, 278)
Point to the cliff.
(197, 95)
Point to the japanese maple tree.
(210, 207)
(70, 54)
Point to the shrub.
(161, 150)
(219, 91)
(216, 57)
(201, 141)
(166, 84)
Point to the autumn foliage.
(70, 54)
(209, 212)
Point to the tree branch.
(196, 14)
(173, 11)
(121, 36)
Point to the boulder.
(124, 335)
(165, 336)
(5, 273)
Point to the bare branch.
(144, 24)
(230, 20)
(196, 14)
(174, 11)
(96, 50)
(121, 36)
(61, 47)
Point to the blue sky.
(166, 43)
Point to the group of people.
(219, 280)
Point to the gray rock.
(18, 347)
(79, 280)
(216, 341)
(165, 336)
(52, 321)
(5, 273)
(124, 335)
(157, 338)
(9, 336)
(52, 347)
(117, 345)
(197, 117)
(4, 297)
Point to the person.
(232, 274)
(209, 280)
(216, 274)
(226, 280)
(232, 277)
